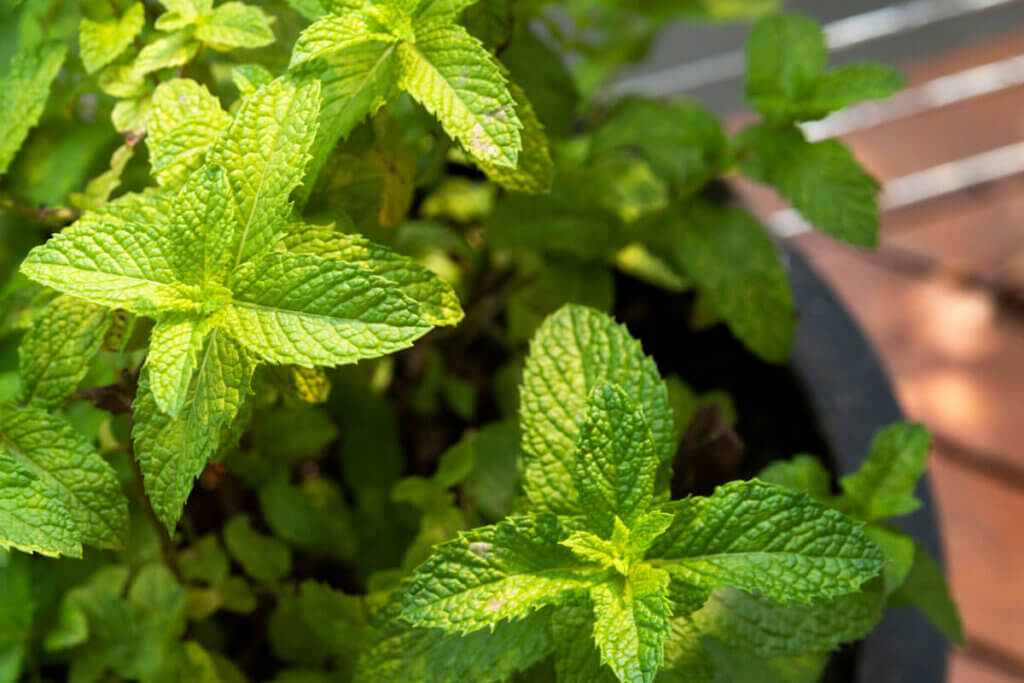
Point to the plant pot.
(852, 398)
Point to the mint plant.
(235, 441)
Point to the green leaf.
(631, 622)
(575, 350)
(884, 486)
(732, 664)
(264, 151)
(450, 73)
(822, 180)
(493, 483)
(786, 55)
(116, 257)
(535, 170)
(898, 549)
(356, 81)
(204, 220)
(56, 491)
(336, 32)
(766, 540)
(264, 558)
(925, 588)
(55, 354)
(504, 571)
(249, 78)
(188, 9)
(686, 660)
(173, 49)
(400, 653)
(577, 659)
(733, 261)
(173, 357)
(682, 142)
(308, 519)
(799, 473)
(559, 281)
(17, 613)
(307, 310)
(436, 299)
(764, 627)
(23, 94)
(851, 84)
(101, 42)
(235, 24)
(616, 463)
(541, 73)
(186, 120)
(172, 452)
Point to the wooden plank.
(955, 362)
(965, 669)
(980, 518)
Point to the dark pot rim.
(852, 397)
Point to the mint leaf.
(402, 653)
(185, 121)
(799, 473)
(577, 659)
(852, 84)
(175, 343)
(822, 180)
(631, 616)
(101, 42)
(575, 350)
(335, 32)
(534, 171)
(17, 613)
(732, 664)
(173, 49)
(734, 262)
(56, 491)
(884, 486)
(616, 462)
(188, 9)
(23, 94)
(264, 558)
(786, 79)
(264, 151)
(925, 588)
(55, 353)
(504, 571)
(235, 24)
(437, 301)
(767, 540)
(117, 257)
(786, 56)
(307, 310)
(357, 81)
(450, 73)
(762, 626)
(98, 191)
(172, 452)
(898, 549)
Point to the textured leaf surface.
(852, 84)
(307, 310)
(437, 301)
(504, 571)
(172, 452)
(117, 257)
(576, 349)
(23, 94)
(265, 150)
(884, 486)
(174, 347)
(631, 623)
(402, 653)
(56, 491)
(732, 664)
(451, 74)
(534, 171)
(336, 32)
(186, 120)
(762, 626)
(55, 353)
(616, 463)
(766, 540)
(577, 659)
(735, 264)
(822, 180)
(356, 81)
(101, 42)
(203, 222)
(173, 49)
(235, 24)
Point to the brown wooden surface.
(941, 300)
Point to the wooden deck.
(942, 300)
